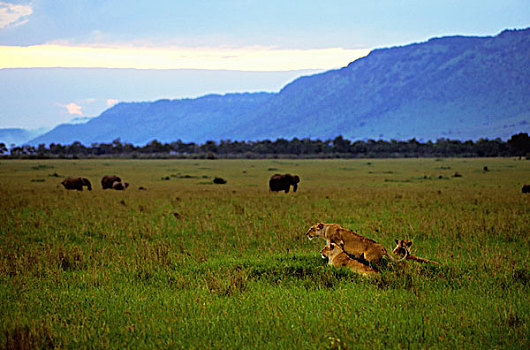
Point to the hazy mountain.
(36, 97)
(164, 120)
(18, 136)
(452, 87)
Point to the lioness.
(355, 245)
(337, 257)
(403, 248)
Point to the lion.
(403, 248)
(337, 258)
(357, 246)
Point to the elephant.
(120, 186)
(76, 183)
(108, 180)
(280, 182)
(525, 189)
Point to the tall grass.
(188, 264)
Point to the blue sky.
(235, 35)
(290, 24)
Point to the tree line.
(339, 147)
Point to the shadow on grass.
(229, 276)
(224, 277)
(33, 336)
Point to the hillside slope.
(454, 87)
(164, 120)
(451, 87)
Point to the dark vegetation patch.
(339, 147)
(29, 336)
(41, 167)
(219, 181)
(184, 176)
(398, 180)
(225, 277)
(228, 276)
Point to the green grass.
(190, 264)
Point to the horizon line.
(258, 59)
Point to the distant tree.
(156, 147)
(3, 148)
(42, 150)
(182, 147)
(117, 147)
(340, 145)
(209, 146)
(23, 150)
(76, 149)
(519, 144)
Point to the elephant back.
(108, 180)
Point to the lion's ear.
(341, 243)
(320, 225)
(408, 243)
(397, 241)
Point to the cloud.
(73, 108)
(215, 58)
(11, 14)
(111, 102)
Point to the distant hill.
(29, 95)
(164, 120)
(452, 87)
(17, 136)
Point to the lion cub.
(403, 248)
(337, 258)
(355, 245)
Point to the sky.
(274, 36)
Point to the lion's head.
(330, 250)
(315, 230)
(403, 247)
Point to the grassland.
(190, 264)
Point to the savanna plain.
(187, 263)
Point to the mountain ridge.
(451, 87)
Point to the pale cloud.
(90, 100)
(245, 59)
(11, 14)
(111, 102)
(74, 109)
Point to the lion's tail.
(422, 260)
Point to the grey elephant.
(76, 183)
(284, 182)
(108, 180)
